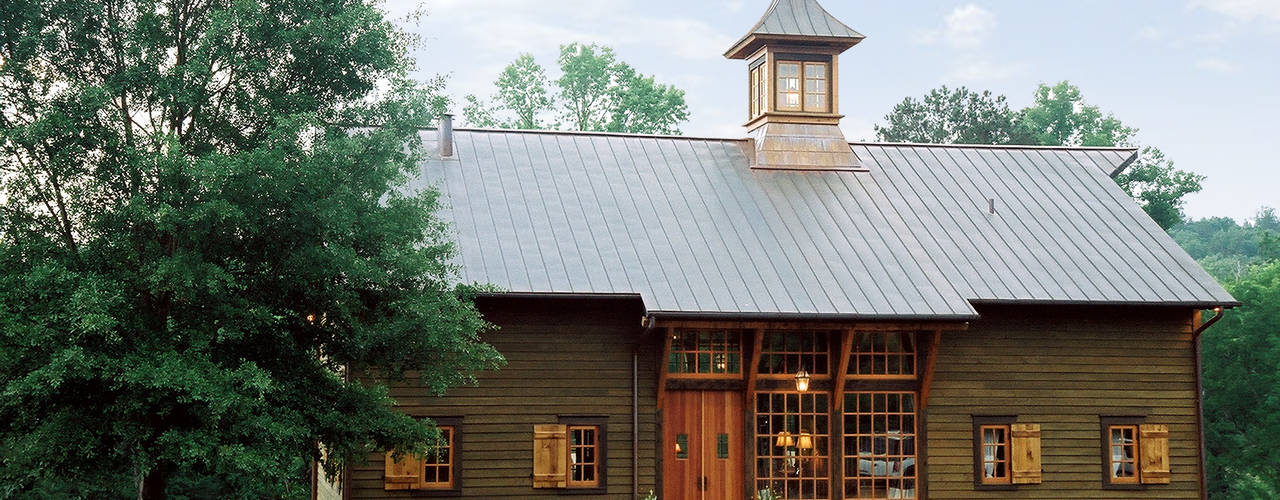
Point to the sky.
(1200, 79)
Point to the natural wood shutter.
(1154, 439)
(403, 474)
(1025, 450)
(550, 456)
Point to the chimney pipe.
(446, 135)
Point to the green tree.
(1158, 187)
(587, 88)
(952, 116)
(1241, 380)
(522, 91)
(193, 248)
(1059, 116)
(596, 92)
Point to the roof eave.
(752, 42)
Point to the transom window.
(995, 454)
(883, 354)
(812, 95)
(793, 434)
(705, 352)
(584, 456)
(785, 352)
(880, 445)
(437, 471)
(1123, 463)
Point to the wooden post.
(846, 347)
(663, 367)
(926, 381)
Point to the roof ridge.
(593, 133)
(994, 146)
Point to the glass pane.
(815, 70)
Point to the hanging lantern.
(802, 381)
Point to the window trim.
(455, 464)
(979, 422)
(1105, 423)
(600, 422)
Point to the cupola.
(793, 103)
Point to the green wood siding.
(1061, 368)
(564, 357)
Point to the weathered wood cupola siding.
(793, 104)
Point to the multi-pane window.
(785, 352)
(793, 434)
(803, 86)
(584, 456)
(788, 86)
(815, 87)
(705, 352)
(1123, 463)
(755, 91)
(880, 445)
(883, 354)
(995, 453)
(437, 471)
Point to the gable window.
(1134, 453)
(886, 354)
(1005, 453)
(711, 353)
(436, 471)
(803, 86)
(783, 353)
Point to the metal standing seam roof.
(684, 224)
(801, 17)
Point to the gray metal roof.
(796, 19)
(687, 226)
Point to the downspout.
(1195, 343)
(647, 323)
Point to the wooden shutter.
(1024, 447)
(550, 456)
(1154, 455)
(403, 474)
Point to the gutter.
(1195, 346)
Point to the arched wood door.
(702, 446)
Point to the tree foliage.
(1058, 116)
(595, 92)
(194, 246)
(1227, 249)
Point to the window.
(1005, 453)
(438, 464)
(1134, 453)
(705, 352)
(584, 456)
(759, 87)
(883, 354)
(880, 445)
(815, 87)
(793, 434)
(570, 454)
(788, 86)
(812, 96)
(438, 471)
(785, 352)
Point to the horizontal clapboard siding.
(1063, 367)
(564, 357)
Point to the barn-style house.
(792, 315)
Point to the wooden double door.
(703, 449)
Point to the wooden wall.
(1061, 368)
(564, 357)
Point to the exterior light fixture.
(802, 380)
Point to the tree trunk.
(153, 484)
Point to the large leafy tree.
(1241, 380)
(195, 246)
(1058, 116)
(596, 92)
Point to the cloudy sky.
(1199, 78)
